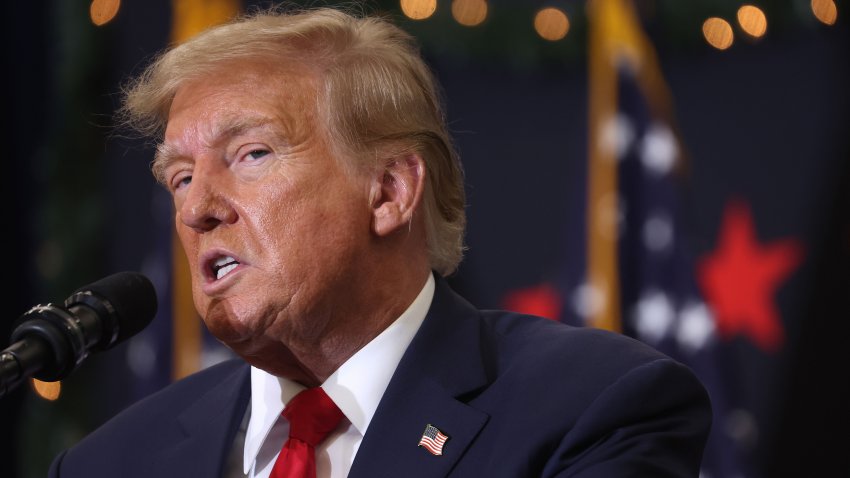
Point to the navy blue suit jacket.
(518, 396)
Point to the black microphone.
(51, 341)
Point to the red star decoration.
(740, 278)
(542, 300)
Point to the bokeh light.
(102, 11)
(47, 390)
(752, 20)
(551, 24)
(418, 9)
(825, 11)
(469, 12)
(718, 33)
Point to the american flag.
(660, 302)
(640, 266)
(433, 440)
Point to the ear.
(396, 193)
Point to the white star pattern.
(618, 134)
(696, 326)
(658, 232)
(587, 300)
(658, 149)
(654, 316)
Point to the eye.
(256, 154)
(181, 180)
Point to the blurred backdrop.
(677, 171)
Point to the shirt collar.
(359, 383)
(356, 386)
(268, 394)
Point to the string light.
(825, 11)
(718, 33)
(102, 12)
(551, 24)
(418, 9)
(469, 12)
(752, 21)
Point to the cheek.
(189, 244)
(187, 237)
(282, 216)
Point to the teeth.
(223, 265)
(224, 270)
(222, 261)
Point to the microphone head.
(128, 298)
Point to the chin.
(228, 325)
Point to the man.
(319, 201)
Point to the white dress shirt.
(356, 387)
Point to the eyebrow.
(167, 154)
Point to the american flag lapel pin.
(433, 440)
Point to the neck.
(372, 304)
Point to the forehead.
(240, 94)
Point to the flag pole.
(602, 208)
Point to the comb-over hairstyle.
(376, 98)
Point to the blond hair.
(376, 97)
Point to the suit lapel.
(441, 366)
(209, 426)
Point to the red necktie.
(312, 417)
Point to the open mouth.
(222, 266)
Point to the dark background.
(766, 121)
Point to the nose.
(207, 203)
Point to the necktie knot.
(312, 416)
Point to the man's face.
(272, 225)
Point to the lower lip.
(212, 287)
